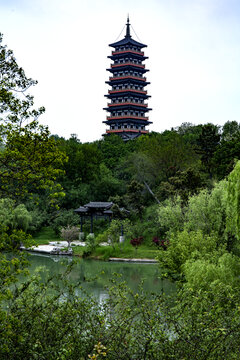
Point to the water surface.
(131, 273)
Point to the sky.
(193, 50)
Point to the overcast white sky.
(193, 49)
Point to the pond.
(131, 273)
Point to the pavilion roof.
(103, 207)
(99, 205)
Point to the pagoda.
(127, 106)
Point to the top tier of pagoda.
(127, 106)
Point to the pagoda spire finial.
(128, 28)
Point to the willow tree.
(233, 202)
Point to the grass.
(125, 250)
(45, 235)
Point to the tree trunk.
(151, 192)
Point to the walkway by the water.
(53, 246)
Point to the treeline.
(138, 173)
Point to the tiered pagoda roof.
(127, 95)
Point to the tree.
(29, 159)
(225, 155)
(230, 130)
(70, 233)
(29, 163)
(233, 202)
(15, 101)
(207, 143)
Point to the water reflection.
(101, 273)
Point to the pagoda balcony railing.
(127, 51)
(128, 63)
(122, 117)
(127, 77)
(127, 103)
(127, 89)
(127, 130)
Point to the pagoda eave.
(127, 121)
(122, 54)
(124, 67)
(127, 131)
(126, 93)
(127, 41)
(126, 80)
(130, 106)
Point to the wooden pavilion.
(94, 209)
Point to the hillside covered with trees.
(181, 190)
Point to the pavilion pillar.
(81, 223)
(121, 238)
(91, 223)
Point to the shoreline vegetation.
(105, 252)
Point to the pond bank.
(152, 261)
(60, 248)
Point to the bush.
(69, 234)
(14, 217)
(39, 219)
(90, 245)
(184, 246)
(136, 242)
(160, 243)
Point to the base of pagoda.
(127, 134)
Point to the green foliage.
(45, 320)
(29, 159)
(15, 101)
(168, 153)
(90, 246)
(70, 233)
(230, 130)
(183, 246)
(204, 324)
(207, 144)
(207, 211)
(207, 273)
(134, 198)
(45, 235)
(233, 202)
(106, 185)
(64, 218)
(39, 219)
(171, 215)
(14, 217)
(115, 229)
(113, 148)
(185, 183)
